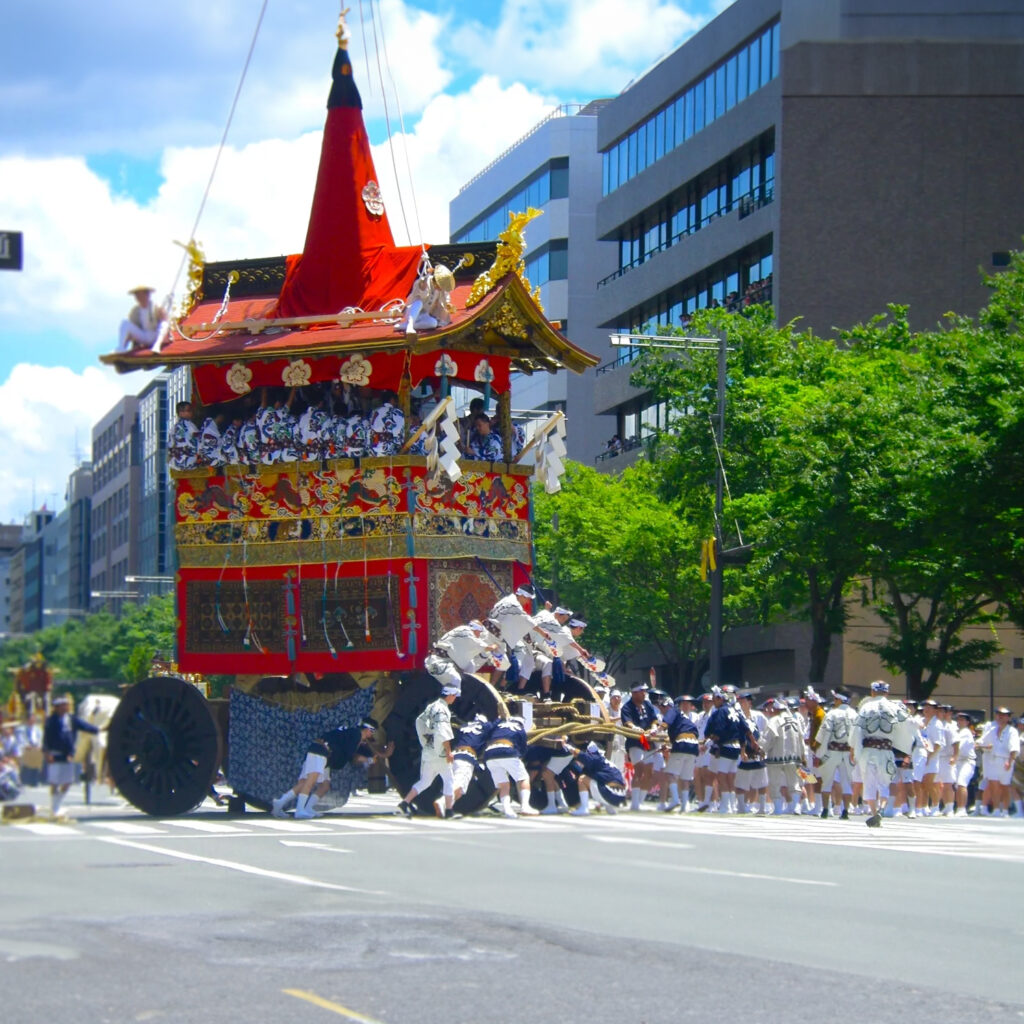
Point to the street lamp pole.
(715, 638)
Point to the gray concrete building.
(116, 478)
(79, 507)
(10, 541)
(154, 501)
(829, 156)
(554, 168)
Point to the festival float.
(319, 582)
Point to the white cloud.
(456, 137)
(46, 413)
(591, 46)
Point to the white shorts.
(682, 765)
(780, 775)
(703, 759)
(60, 773)
(879, 769)
(919, 764)
(932, 765)
(751, 779)
(637, 755)
(504, 768)
(994, 770)
(835, 770)
(315, 764)
(557, 765)
(856, 778)
(431, 767)
(947, 772)
(964, 772)
(462, 774)
(905, 776)
(724, 765)
(544, 663)
(526, 664)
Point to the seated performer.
(141, 327)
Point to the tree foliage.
(97, 647)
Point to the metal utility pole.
(715, 638)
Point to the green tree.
(628, 561)
(793, 453)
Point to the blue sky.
(110, 115)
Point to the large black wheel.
(164, 747)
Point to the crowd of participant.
(328, 421)
(714, 753)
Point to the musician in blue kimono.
(209, 452)
(387, 428)
(313, 432)
(484, 443)
(184, 444)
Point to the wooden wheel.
(164, 747)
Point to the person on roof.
(141, 327)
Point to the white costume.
(880, 723)
(1003, 745)
(833, 748)
(434, 729)
(784, 751)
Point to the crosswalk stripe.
(42, 828)
(201, 826)
(284, 826)
(126, 828)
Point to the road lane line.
(723, 872)
(641, 842)
(326, 1004)
(312, 846)
(247, 869)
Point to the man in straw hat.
(141, 327)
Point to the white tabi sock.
(560, 800)
(584, 800)
(285, 800)
(912, 803)
(301, 801)
(673, 792)
(817, 803)
(742, 800)
(637, 799)
(551, 799)
(762, 804)
(684, 801)
(777, 802)
(56, 799)
(708, 793)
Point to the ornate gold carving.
(508, 322)
(196, 263)
(509, 259)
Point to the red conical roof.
(349, 258)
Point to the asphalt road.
(638, 918)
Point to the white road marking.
(285, 826)
(43, 828)
(660, 866)
(642, 842)
(202, 826)
(126, 828)
(248, 869)
(312, 846)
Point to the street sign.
(10, 250)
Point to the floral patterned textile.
(267, 744)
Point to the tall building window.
(550, 182)
(740, 74)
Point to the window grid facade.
(550, 182)
(740, 74)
